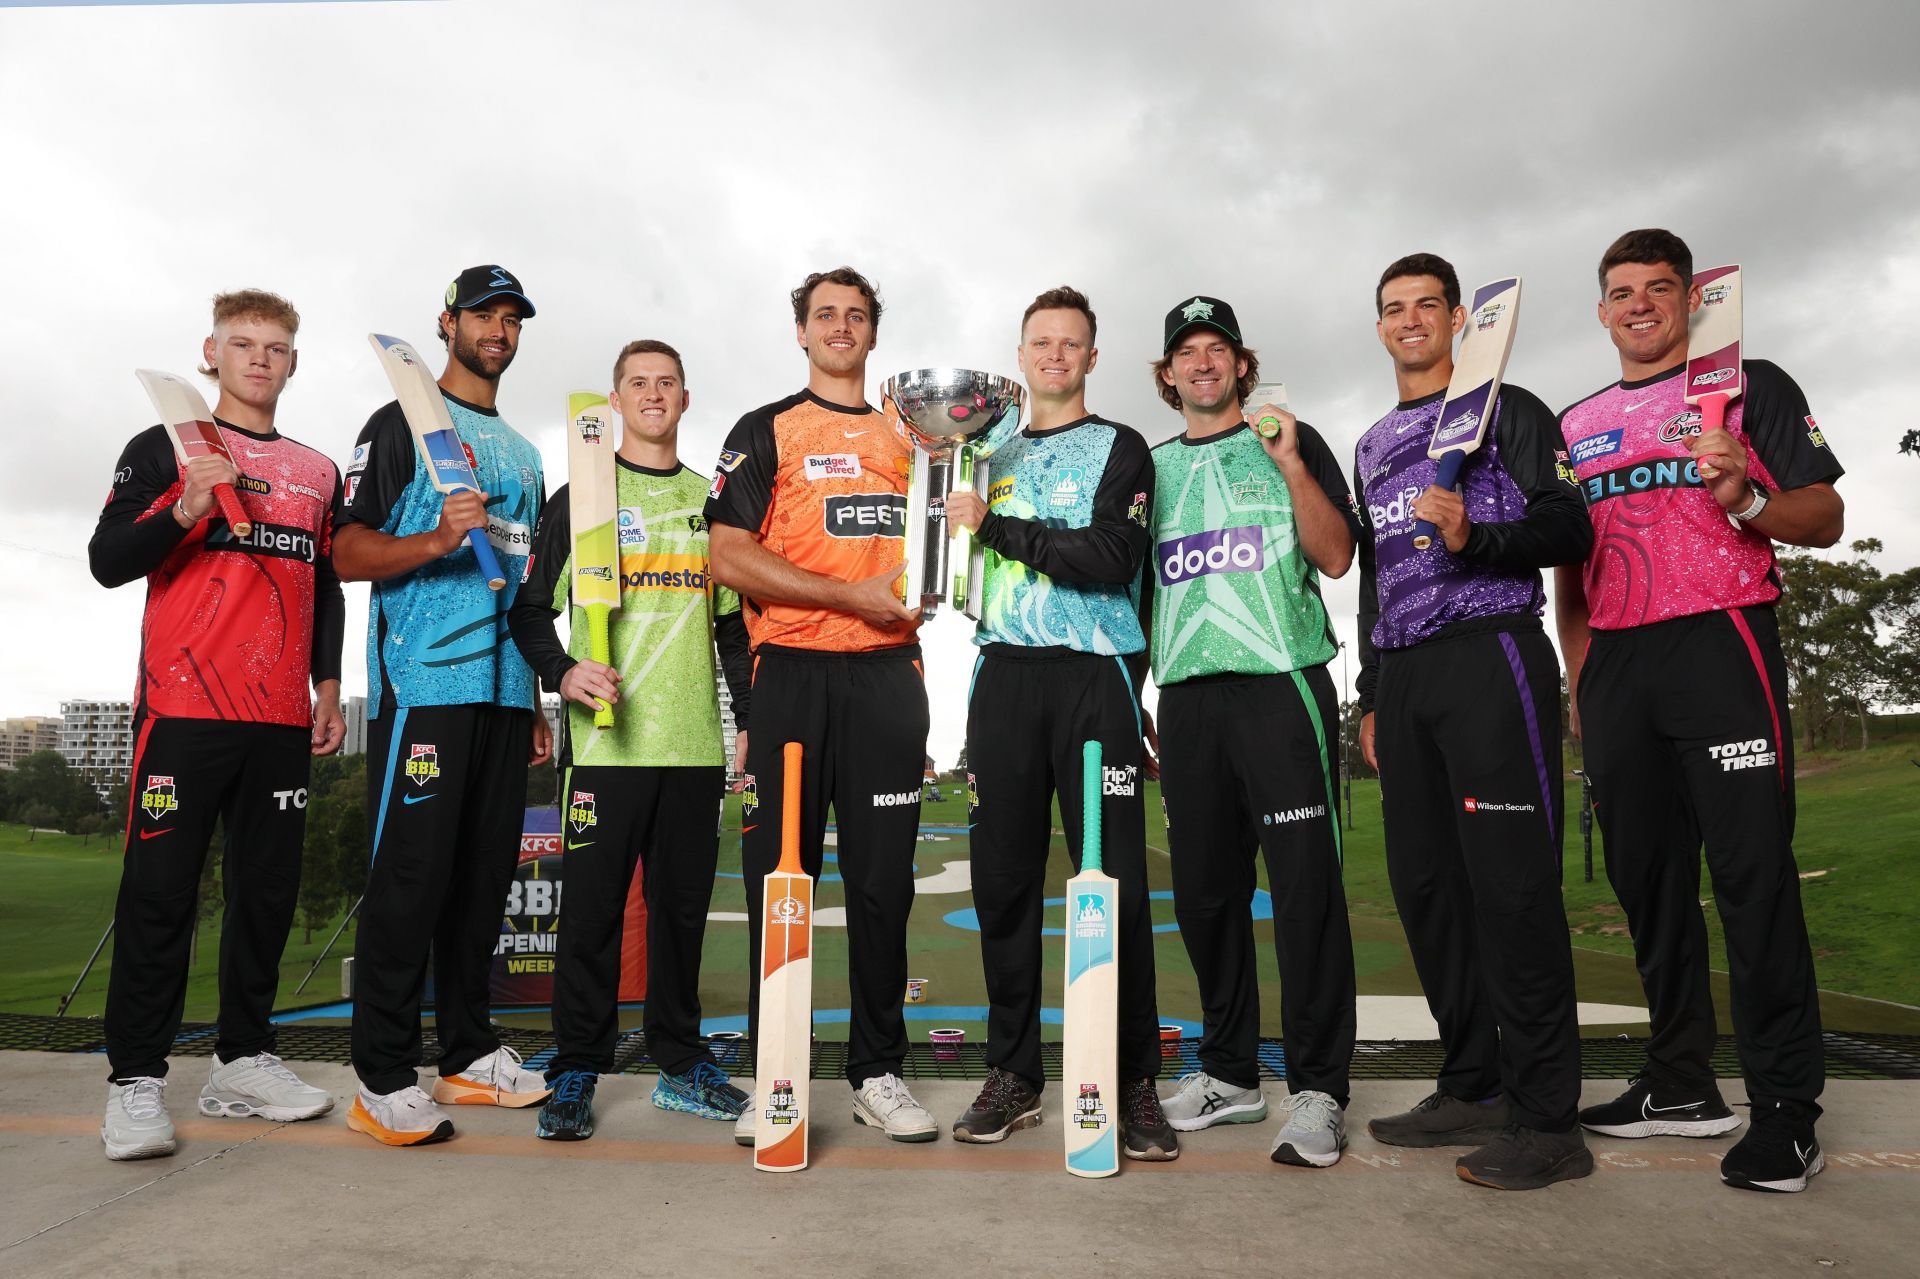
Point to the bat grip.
(600, 650)
(1445, 476)
(1713, 417)
(1090, 804)
(790, 758)
(483, 551)
(236, 514)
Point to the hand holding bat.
(202, 478)
(591, 683)
(1723, 465)
(460, 514)
(1279, 433)
(1446, 510)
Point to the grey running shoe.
(1144, 1130)
(261, 1086)
(1202, 1101)
(1440, 1120)
(743, 1127)
(1527, 1159)
(1315, 1132)
(1005, 1105)
(883, 1102)
(137, 1125)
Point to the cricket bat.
(594, 508)
(1089, 1071)
(783, 1054)
(1713, 350)
(449, 465)
(1475, 388)
(194, 433)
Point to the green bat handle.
(600, 649)
(1090, 803)
(1268, 426)
(963, 540)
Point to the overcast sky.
(671, 171)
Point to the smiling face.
(1416, 325)
(1644, 307)
(650, 396)
(838, 331)
(485, 338)
(1203, 368)
(1056, 353)
(253, 358)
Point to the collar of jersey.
(677, 467)
(1032, 434)
(1221, 438)
(847, 409)
(1658, 377)
(1422, 402)
(252, 435)
(471, 408)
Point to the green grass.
(1859, 823)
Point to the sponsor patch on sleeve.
(729, 459)
(1137, 512)
(1814, 436)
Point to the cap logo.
(453, 291)
(499, 280)
(1197, 310)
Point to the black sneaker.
(1527, 1159)
(1778, 1153)
(568, 1112)
(1144, 1130)
(1005, 1105)
(1650, 1109)
(1441, 1120)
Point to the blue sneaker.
(704, 1091)
(568, 1114)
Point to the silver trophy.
(957, 417)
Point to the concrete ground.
(671, 1195)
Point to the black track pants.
(862, 721)
(1467, 730)
(1029, 716)
(1688, 740)
(1246, 763)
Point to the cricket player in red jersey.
(223, 726)
(1673, 656)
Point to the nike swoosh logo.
(415, 799)
(1197, 465)
(251, 453)
(658, 492)
(1648, 1108)
(155, 834)
(1641, 405)
(853, 435)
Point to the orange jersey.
(824, 487)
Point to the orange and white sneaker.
(497, 1079)
(404, 1118)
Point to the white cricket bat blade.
(593, 501)
(1090, 1010)
(783, 1052)
(1713, 338)
(1477, 371)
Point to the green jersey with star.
(661, 636)
(1232, 592)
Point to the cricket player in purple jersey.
(1460, 691)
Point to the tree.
(1831, 617)
(319, 867)
(1910, 443)
(44, 784)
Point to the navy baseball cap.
(477, 284)
(1201, 313)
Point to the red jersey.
(1662, 546)
(234, 628)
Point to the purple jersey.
(1523, 508)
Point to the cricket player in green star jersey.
(648, 788)
(1243, 527)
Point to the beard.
(478, 362)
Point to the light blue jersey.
(437, 636)
(1064, 537)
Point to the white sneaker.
(497, 1079)
(743, 1127)
(404, 1118)
(1315, 1132)
(1203, 1101)
(137, 1125)
(260, 1085)
(883, 1102)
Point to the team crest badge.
(158, 799)
(581, 811)
(423, 764)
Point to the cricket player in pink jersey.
(1680, 696)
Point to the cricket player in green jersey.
(1243, 526)
(647, 789)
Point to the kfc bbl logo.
(973, 793)
(158, 800)
(749, 800)
(423, 765)
(580, 811)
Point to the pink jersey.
(1662, 546)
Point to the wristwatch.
(1752, 512)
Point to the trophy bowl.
(956, 417)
